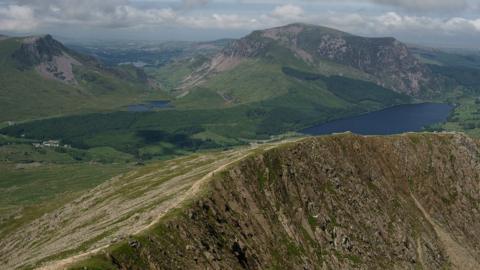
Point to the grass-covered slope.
(27, 91)
(336, 202)
(81, 220)
(447, 57)
(36, 179)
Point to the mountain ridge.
(386, 61)
(342, 201)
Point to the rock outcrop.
(48, 57)
(386, 59)
(337, 202)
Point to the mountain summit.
(385, 61)
(49, 57)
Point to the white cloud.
(392, 19)
(218, 21)
(17, 18)
(425, 5)
(288, 12)
(194, 3)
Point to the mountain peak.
(48, 56)
(385, 59)
(314, 29)
(37, 49)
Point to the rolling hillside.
(39, 77)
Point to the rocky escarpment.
(387, 60)
(336, 202)
(48, 57)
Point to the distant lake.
(149, 106)
(394, 120)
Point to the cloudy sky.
(448, 23)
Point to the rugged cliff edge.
(402, 202)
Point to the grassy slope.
(264, 81)
(35, 181)
(171, 75)
(142, 193)
(26, 95)
(26, 186)
(470, 59)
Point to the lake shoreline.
(388, 121)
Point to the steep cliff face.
(386, 58)
(49, 57)
(38, 49)
(337, 202)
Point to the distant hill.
(272, 69)
(146, 53)
(41, 77)
(384, 61)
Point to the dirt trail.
(192, 191)
(420, 253)
(63, 264)
(458, 255)
(178, 190)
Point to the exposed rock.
(404, 202)
(48, 57)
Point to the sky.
(442, 23)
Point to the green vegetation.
(465, 118)
(461, 72)
(264, 81)
(458, 58)
(253, 101)
(37, 179)
(30, 190)
(170, 76)
(463, 76)
(351, 90)
(23, 185)
(25, 94)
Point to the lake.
(149, 106)
(394, 120)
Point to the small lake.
(149, 106)
(394, 120)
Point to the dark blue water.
(149, 106)
(394, 120)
